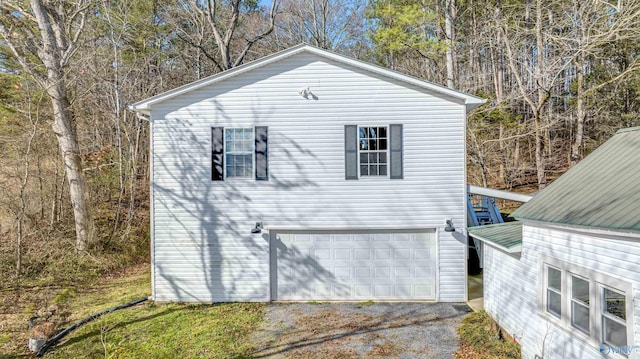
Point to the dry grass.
(63, 305)
(480, 339)
(385, 350)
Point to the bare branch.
(21, 57)
(250, 42)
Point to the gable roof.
(506, 236)
(600, 192)
(144, 106)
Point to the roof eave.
(512, 249)
(145, 110)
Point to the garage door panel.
(423, 254)
(321, 254)
(382, 272)
(362, 272)
(361, 237)
(362, 253)
(354, 266)
(402, 253)
(342, 253)
(424, 290)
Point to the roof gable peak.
(144, 106)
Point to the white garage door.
(377, 265)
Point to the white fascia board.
(145, 105)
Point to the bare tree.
(595, 23)
(329, 24)
(43, 39)
(543, 69)
(224, 26)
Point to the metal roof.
(470, 101)
(602, 191)
(506, 236)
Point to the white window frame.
(360, 176)
(253, 153)
(579, 302)
(604, 313)
(597, 281)
(547, 288)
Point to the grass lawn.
(148, 330)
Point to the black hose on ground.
(51, 342)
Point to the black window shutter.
(217, 153)
(262, 153)
(395, 156)
(350, 152)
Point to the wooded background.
(560, 76)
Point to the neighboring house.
(308, 175)
(565, 279)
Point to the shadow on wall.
(512, 302)
(203, 253)
(303, 274)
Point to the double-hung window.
(373, 151)
(614, 317)
(591, 305)
(240, 152)
(554, 291)
(580, 303)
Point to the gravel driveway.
(372, 330)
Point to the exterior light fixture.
(306, 92)
(257, 229)
(449, 226)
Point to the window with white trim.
(554, 291)
(373, 151)
(239, 152)
(592, 306)
(580, 307)
(614, 315)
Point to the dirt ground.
(370, 330)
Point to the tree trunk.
(64, 129)
(56, 48)
(450, 34)
(576, 147)
(540, 127)
(503, 155)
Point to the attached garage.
(308, 175)
(354, 265)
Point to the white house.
(308, 175)
(565, 279)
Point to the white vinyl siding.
(513, 285)
(204, 250)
